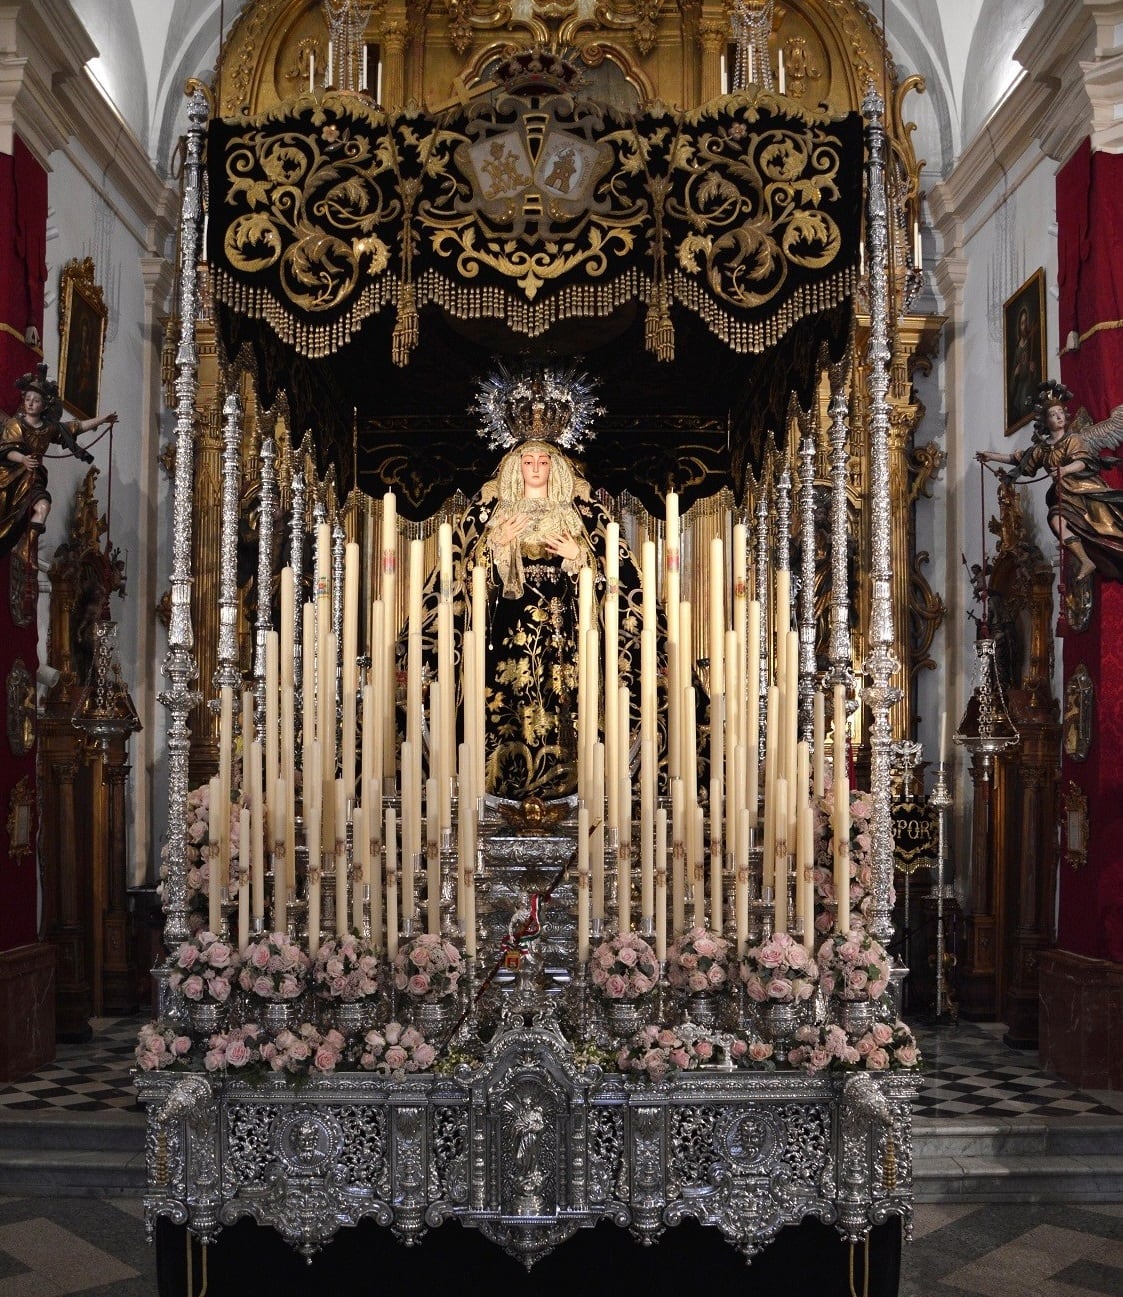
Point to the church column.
(395, 34)
(74, 1004)
(713, 38)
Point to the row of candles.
(685, 859)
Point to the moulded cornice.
(42, 46)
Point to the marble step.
(71, 1173)
(106, 1131)
(1018, 1161)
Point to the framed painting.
(1023, 349)
(82, 322)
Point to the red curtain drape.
(1090, 247)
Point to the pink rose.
(818, 1059)
(704, 1049)
(857, 979)
(212, 1060)
(877, 989)
(615, 987)
(300, 1050)
(147, 1062)
(907, 1055)
(424, 1055)
(181, 1045)
(754, 989)
(705, 946)
(759, 1050)
(697, 981)
(640, 984)
(739, 1048)
(263, 987)
(220, 989)
(193, 987)
(186, 956)
(882, 1033)
(419, 984)
(396, 1057)
(877, 1060)
(289, 988)
(325, 1059)
(849, 952)
(679, 1058)
(219, 955)
(865, 1045)
(259, 957)
(237, 1054)
(419, 955)
(627, 957)
(667, 1038)
(716, 975)
(688, 960)
(771, 956)
(779, 988)
(805, 989)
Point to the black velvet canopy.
(370, 267)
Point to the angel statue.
(1085, 514)
(24, 439)
(532, 528)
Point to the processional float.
(413, 1001)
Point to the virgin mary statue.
(532, 528)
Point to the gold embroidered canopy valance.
(534, 223)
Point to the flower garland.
(274, 968)
(780, 971)
(346, 968)
(698, 961)
(160, 1044)
(853, 966)
(624, 967)
(396, 1050)
(428, 967)
(204, 969)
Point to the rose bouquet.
(428, 967)
(780, 971)
(234, 1049)
(159, 1045)
(624, 967)
(751, 1051)
(274, 968)
(822, 1047)
(204, 969)
(887, 1046)
(346, 968)
(698, 961)
(853, 966)
(396, 1050)
(303, 1050)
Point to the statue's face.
(536, 470)
(33, 403)
(1055, 419)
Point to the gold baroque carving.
(1074, 810)
(1080, 705)
(20, 804)
(21, 709)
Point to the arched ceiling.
(963, 48)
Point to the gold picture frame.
(83, 318)
(20, 805)
(1023, 349)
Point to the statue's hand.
(564, 546)
(511, 529)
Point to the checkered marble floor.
(970, 1072)
(92, 1077)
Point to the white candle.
(214, 863)
(433, 857)
(661, 884)
(315, 861)
(943, 737)
(781, 857)
(819, 728)
(596, 847)
(678, 857)
(741, 887)
(281, 864)
(257, 851)
(582, 885)
(612, 672)
(245, 832)
(624, 860)
(391, 840)
(389, 596)
(311, 73)
(361, 879)
(716, 896)
(752, 713)
(340, 857)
